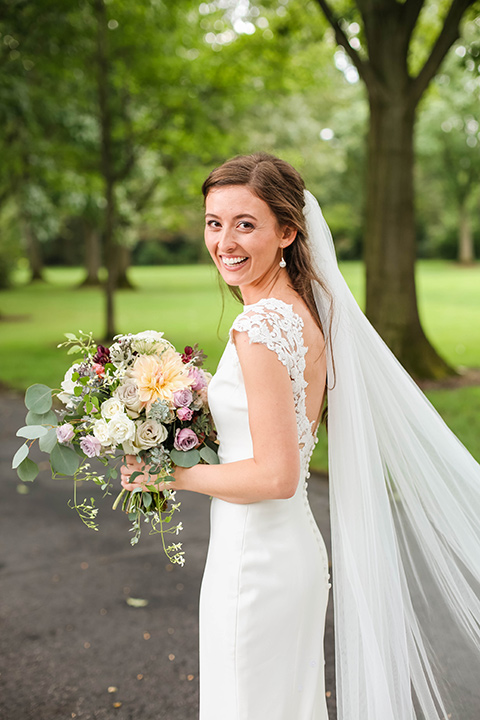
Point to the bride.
(404, 494)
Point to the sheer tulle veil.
(405, 517)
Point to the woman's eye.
(213, 223)
(245, 225)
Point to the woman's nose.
(226, 241)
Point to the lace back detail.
(273, 323)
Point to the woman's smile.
(233, 262)
(244, 238)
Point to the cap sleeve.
(273, 323)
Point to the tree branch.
(341, 38)
(363, 66)
(448, 34)
(410, 11)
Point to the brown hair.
(278, 184)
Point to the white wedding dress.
(265, 588)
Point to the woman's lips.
(233, 262)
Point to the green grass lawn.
(185, 302)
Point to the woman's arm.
(274, 470)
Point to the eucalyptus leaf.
(185, 459)
(27, 470)
(32, 432)
(73, 350)
(38, 398)
(64, 460)
(209, 455)
(48, 441)
(147, 499)
(48, 418)
(70, 336)
(20, 455)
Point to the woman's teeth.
(233, 260)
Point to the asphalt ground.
(71, 645)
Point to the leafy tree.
(385, 41)
(449, 147)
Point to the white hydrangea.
(149, 342)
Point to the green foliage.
(20, 456)
(209, 455)
(32, 432)
(27, 471)
(64, 460)
(448, 151)
(185, 459)
(38, 398)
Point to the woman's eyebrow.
(237, 217)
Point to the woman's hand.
(140, 481)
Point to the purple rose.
(198, 377)
(184, 413)
(182, 398)
(91, 446)
(65, 433)
(185, 440)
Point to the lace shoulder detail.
(274, 323)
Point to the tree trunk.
(390, 236)
(34, 253)
(107, 167)
(92, 256)
(466, 251)
(124, 257)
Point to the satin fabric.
(265, 587)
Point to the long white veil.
(405, 518)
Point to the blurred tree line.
(113, 112)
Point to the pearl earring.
(282, 262)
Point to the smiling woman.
(246, 247)
(405, 494)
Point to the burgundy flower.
(102, 356)
(187, 354)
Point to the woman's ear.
(288, 236)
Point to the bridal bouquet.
(137, 397)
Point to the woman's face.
(243, 236)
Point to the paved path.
(70, 645)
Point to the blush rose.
(185, 439)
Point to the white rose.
(149, 434)
(100, 430)
(127, 393)
(121, 428)
(130, 448)
(68, 386)
(111, 407)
